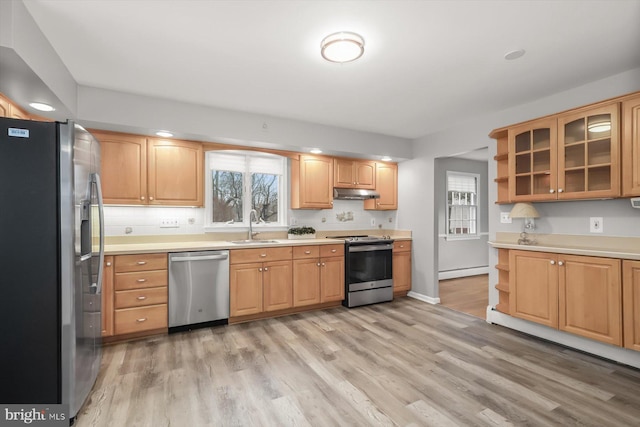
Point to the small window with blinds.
(462, 205)
(239, 182)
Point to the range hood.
(354, 194)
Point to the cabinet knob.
(552, 190)
(333, 251)
(263, 255)
(141, 298)
(266, 269)
(307, 252)
(560, 263)
(150, 197)
(560, 190)
(143, 319)
(141, 197)
(552, 262)
(108, 264)
(354, 183)
(401, 246)
(260, 269)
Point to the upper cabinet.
(349, 173)
(312, 182)
(387, 186)
(11, 110)
(631, 146)
(571, 155)
(141, 171)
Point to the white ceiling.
(427, 64)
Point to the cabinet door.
(312, 183)
(124, 168)
(277, 283)
(343, 173)
(387, 186)
(533, 287)
(532, 161)
(331, 279)
(590, 301)
(4, 107)
(245, 289)
(175, 172)
(306, 282)
(107, 297)
(631, 307)
(402, 271)
(588, 153)
(365, 175)
(631, 147)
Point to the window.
(462, 205)
(238, 182)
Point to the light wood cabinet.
(387, 186)
(318, 274)
(533, 287)
(145, 171)
(576, 294)
(590, 300)
(631, 304)
(5, 106)
(256, 287)
(401, 267)
(107, 297)
(631, 146)
(312, 182)
(503, 281)
(349, 173)
(140, 294)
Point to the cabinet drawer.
(128, 320)
(402, 246)
(331, 250)
(142, 279)
(140, 262)
(141, 297)
(240, 256)
(303, 252)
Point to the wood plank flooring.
(466, 294)
(404, 363)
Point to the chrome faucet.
(255, 215)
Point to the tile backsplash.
(146, 220)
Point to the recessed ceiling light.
(514, 54)
(343, 46)
(41, 106)
(315, 151)
(164, 134)
(386, 159)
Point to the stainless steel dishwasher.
(198, 289)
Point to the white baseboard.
(618, 354)
(465, 272)
(423, 298)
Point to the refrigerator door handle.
(95, 179)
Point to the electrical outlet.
(191, 221)
(169, 223)
(505, 218)
(373, 222)
(596, 224)
(294, 220)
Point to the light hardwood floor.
(466, 294)
(400, 363)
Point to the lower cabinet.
(631, 304)
(577, 294)
(401, 267)
(318, 274)
(256, 287)
(140, 293)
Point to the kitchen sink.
(254, 242)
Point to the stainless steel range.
(368, 270)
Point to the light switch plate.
(505, 218)
(596, 224)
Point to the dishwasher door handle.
(199, 258)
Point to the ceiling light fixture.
(343, 46)
(386, 159)
(598, 127)
(514, 54)
(41, 106)
(315, 151)
(164, 134)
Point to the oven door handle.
(368, 248)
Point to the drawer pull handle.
(142, 319)
(402, 246)
(263, 255)
(307, 252)
(333, 251)
(141, 280)
(108, 264)
(142, 298)
(141, 262)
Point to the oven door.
(368, 263)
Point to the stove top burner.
(362, 238)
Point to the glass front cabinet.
(571, 156)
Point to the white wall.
(416, 177)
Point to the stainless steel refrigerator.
(51, 263)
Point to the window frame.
(463, 236)
(283, 186)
